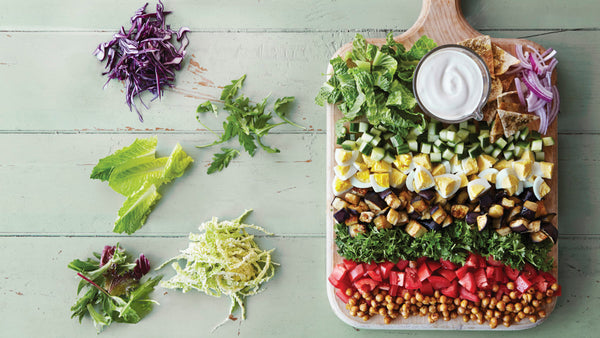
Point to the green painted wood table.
(56, 122)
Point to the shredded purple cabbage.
(144, 57)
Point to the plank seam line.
(203, 132)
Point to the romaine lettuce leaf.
(139, 149)
(127, 180)
(176, 164)
(136, 209)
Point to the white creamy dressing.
(450, 85)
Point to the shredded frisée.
(223, 259)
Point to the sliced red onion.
(520, 91)
(533, 84)
(524, 61)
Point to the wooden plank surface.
(56, 122)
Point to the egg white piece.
(448, 166)
(341, 153)
(456, 179)
(421, 170)
(409, 181)
(520, 188)
(345, 186)
(537, 186)
(488, 173)
(528, 183)
(376, 186)
(480, 181)
(344, 172)
(356, 182)
(502, 174)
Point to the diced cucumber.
(402, 149)
(452, 127)
(540, 156)
(463, 125)
(475, 151)
(433, 128)
(484, 140)
(416, 131)
(435, 157)
(425, 148)
(518, 151)
(366, 148)
(510, 139)
(523, 144)
(516, 136)
(354, 127)
(389, 158)
(375, 141)
(366, 137)
(382, 128)
(349, 145)
(472, 138)
(548, 141)
(534, 134)
(436, 149)
(397, 140)
(488, 150)
(341, 139)
(459, 148)
(377, 154)
(524, 134)
(443, 136)
(451, 135)
(501, 143)
(496, 152)
(511, 147)
(375, 132)
(537, 145)
(432, 138)
(413, 145)
(508, 154)
(387, 136)
(388, 146)
(462, 135)
(438, 142)
(485, 132)
(451, 144)
(352, 137)
(363, 127)
(472, 128)
(447, 154)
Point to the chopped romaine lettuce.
(140, 149)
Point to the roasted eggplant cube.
(404, 197)
(375, 203)
(357, 229)
(402, 218)
(366, 216)
(529, 209)
(351, 220)
(496, 222)
(538, 236)
(503, 231)
(519, 225)
(514, 213)
(352, 198)
(392, 200)
(341, 215)
(482, 221)
(462, 197)
(486, 200)
(392, 216)
(361, 207)
(419, 203)
(431, 225)
(551, 231)
(459, 211)
(410, 209)
(471, 217)
(428, 194)
(496, 211)
(339, 204)
(438, 214)
(415, 229)
(359, 191)
(447, 221)
(507, 203)
(381, 222)
(534, 226)
(548, 217)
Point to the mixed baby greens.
(136, 173)
(248, 121)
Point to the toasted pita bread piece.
(495, 90)
(512, 121)
(510, 101)
(497, 130)
(489, 111)
(482, 45)
(502, 60)
(508, 82)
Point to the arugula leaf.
(221, 160)
(140, 149)
(279, 109)
(207, 107)
(231, 90)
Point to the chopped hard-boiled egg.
(360, 166)
(361, 179)
(469, 166)
(522, 168)
(503, 164)
(455, 164)
(422, 179)
(381, 167)
(380, 181)
(477, 187)
(344, 158)
(404, 163)
(485, 161)
(489, 174)
(439, 169)
(344, 172)
(340, 186)
(410, 178)
(507, 179)
(528, 156)
(540, 188)
(423, 161)
(367, 160)
(397, 178)
(463, 179)
(447, 184)
(543, 169)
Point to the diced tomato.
(529, 271)
(448, 274)
(386, 268)
(499, 294)
(349, 264)
(462, 271)
(375, 275)
(451, 291)
(357, 272)
(542, 286)
(342, 295)
(439, 282)
(448, 265)
(366, 284)
(537, 279)
(490, 272)
(397, 278)
(466, 294)
(422, 260)
(401, 265)
(393, 290)
(523, 284)
(338, 277)
(548, 277)
(426, 288)
(411, 279)
(371, 266)
(511, 273)
(423, 272)
(500, 276)
(433, 265)
(491, 261)
(384, 286)
(473, 260)
(480, 279)
(468, 281)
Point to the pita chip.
(502, 60)
(512, 121)
(489, 111)
(495, 90)
(497, 130)
(482, 45)
(508, 82)
(510, 101)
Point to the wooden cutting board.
(442, 21)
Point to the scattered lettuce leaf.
(136, 209)
(127, 180)
(176, 164)
(140, 149)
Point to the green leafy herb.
(452, 243)
(377, 84)
(248, 121)
(114, 291)
(223, 259)
(136, 173)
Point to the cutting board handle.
(441, 20)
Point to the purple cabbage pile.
(144, 57)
